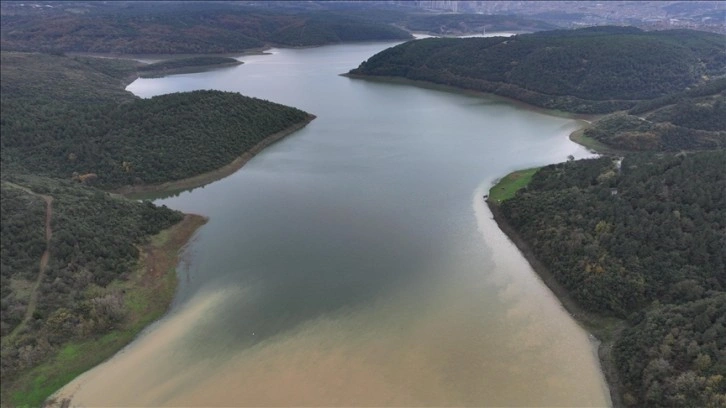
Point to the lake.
(355, 262)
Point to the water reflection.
(354, 263)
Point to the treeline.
(184, 66)
(711, 87)
(41, 94)
(328, 28)
(150, 141)
(197, 27)
(642, 240)
(69, 118)
(675, 354)
(55, 82)
(182, 28)
(94, 242)
(22, 242)
(111, 144)
(457, 24)
(690, 120)
(590, 70)
(176, 63)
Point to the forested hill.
(68, 126)
(85, 301)
(690, 120)
(178, 27)
(590, 70)
(51, 82)
(67, 118)
(643, 240)
(461, 24)
(185, 65)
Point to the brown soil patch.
(162, 254)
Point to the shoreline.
(451, 88)
(604, 329)
(592, 323)
(157, 276)
(214, 175)
(195, 69)
(147, 58)
(148, 292)
(155, 281)
(578, 136)
(504, 33)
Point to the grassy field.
(510, 184)
(147, 296)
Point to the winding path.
(33, 301)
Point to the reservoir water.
(355, 263)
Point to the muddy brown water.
(355, 263)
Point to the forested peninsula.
(689, 120)
(228, 27)
(185, 66)
(631, 242)
(636, 241)
(589, 70)
(181, 28)
(634, 248)
(69, 117)
(84, 270)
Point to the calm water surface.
(355, 263)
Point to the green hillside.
(591, 70)
(65, 118)
(180, 28)
(688, 120)
(458, 24)
(185, 65)
(67, 125)
(642, 241)
(88, 246)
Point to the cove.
(354, 262)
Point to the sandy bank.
(147, 294)
(605, 329)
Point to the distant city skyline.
(702, 15)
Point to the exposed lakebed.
(355, 262)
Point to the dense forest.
(180, 28)
(460, 24)
(150, 141)
(69, 250)
(94, 243)
(641, 239)
(221, 27)
(693, 119)
(89, 137)
(184, 65)
(590, 70)
(54, 83)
